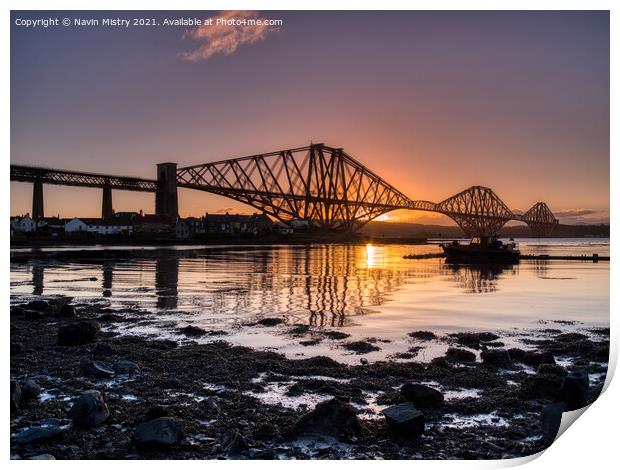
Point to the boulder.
(97, 369)
(270, 321)
(473, 340)
(421, 396)
(67, 311)
(460, 355)
(89, 409)
(193, 331)
(332, 418)
(496, 357)
(38, 305)
(360, 347)
(236, 445)
(554, 369)
(17, 311)
(37, 434)
(541, 386)
(574, 390)
(535, 358)
(43, 457)
(34, 314)
(551, 418)
(16, 394)
(405, 420)
(159, 432)
(423, 335)
(125, 367)
(80, 332)
(30, 390)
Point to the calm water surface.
(365, 290)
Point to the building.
(23, 224)
(98, 226)
(237, 224)
(153, 224)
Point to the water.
(367, 291)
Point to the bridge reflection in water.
(324, 285)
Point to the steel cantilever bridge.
(319, 184)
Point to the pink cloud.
(222, 38)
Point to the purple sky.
(432, 101)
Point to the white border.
(591, 443)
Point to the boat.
(482, 249)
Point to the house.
(189, 228)
(23, 224)
(52, 226)
(237, 224)
(98, 226)
(151, 223)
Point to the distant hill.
(410, 230)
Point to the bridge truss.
(321, 185)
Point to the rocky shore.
(81, 390)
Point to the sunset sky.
(433, 102)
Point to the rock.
(159, 432)
(30, 390)
(17, 312)
(363, 361)
(574, 390)
(423, 335)
(34, 314)
(496, 357)
(270, 321)
(102, 349)
(96, 369)
(89, 409)
(43, 457)
(405, 419)
(421, 396)
(554, 369)
(125, 367)
(551, 418)
(236, 445)
(541, 386)
(460, 355)
(38, 434)
(473, 340)
(360, 347)
(337, 335)
(535, 358)
(38, 305)
(67, 311)
(110, 317)
(332, 418)
(16, 394)
(80, 332)
(192, 331)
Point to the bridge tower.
(166, 199)
(37, 200)
(107, 212)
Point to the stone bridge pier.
(166, 199)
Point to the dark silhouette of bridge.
(319, 184)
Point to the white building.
(99, 226)
(23, 224)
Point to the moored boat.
(482, 249)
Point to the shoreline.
(236, 402)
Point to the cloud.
(221, 37)
(575, 212)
